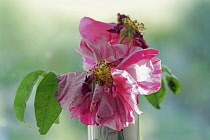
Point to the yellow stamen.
(139, 27)
(102, 73)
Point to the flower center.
(139, 27)
(102, 73)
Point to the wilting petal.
(91, 29)
(147, 74)
(88, 63)
(120, 51)
(97, 95)
(124, 81)
(104, 47)
(82, 111)
(107, 50)
(137, 56)
(69, 89)
(117, 116)
(89, 50)
(106, 108)
(85, 49)
(130, 102)
(115, 110)
(126, 89)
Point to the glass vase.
(132, 132)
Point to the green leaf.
(57, 121)
(153, 100)
(165, 69)
(23, 93)
(156, 98)
(161, 92)
(173, 83)
(41, 78)
(47, 108)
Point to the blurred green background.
(43, 34)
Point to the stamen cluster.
(139, 27)
(102, 73)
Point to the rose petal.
(107, 51)
(88, 63)
(69, 89)
(121, 117)
(120, 51)
(123, 80)
(126, 89)
(89, 50)
(82, 111)
(97, 95)
(137, 56)
(106, 108)
(104, 47)
(147, 74)
(91, 29)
